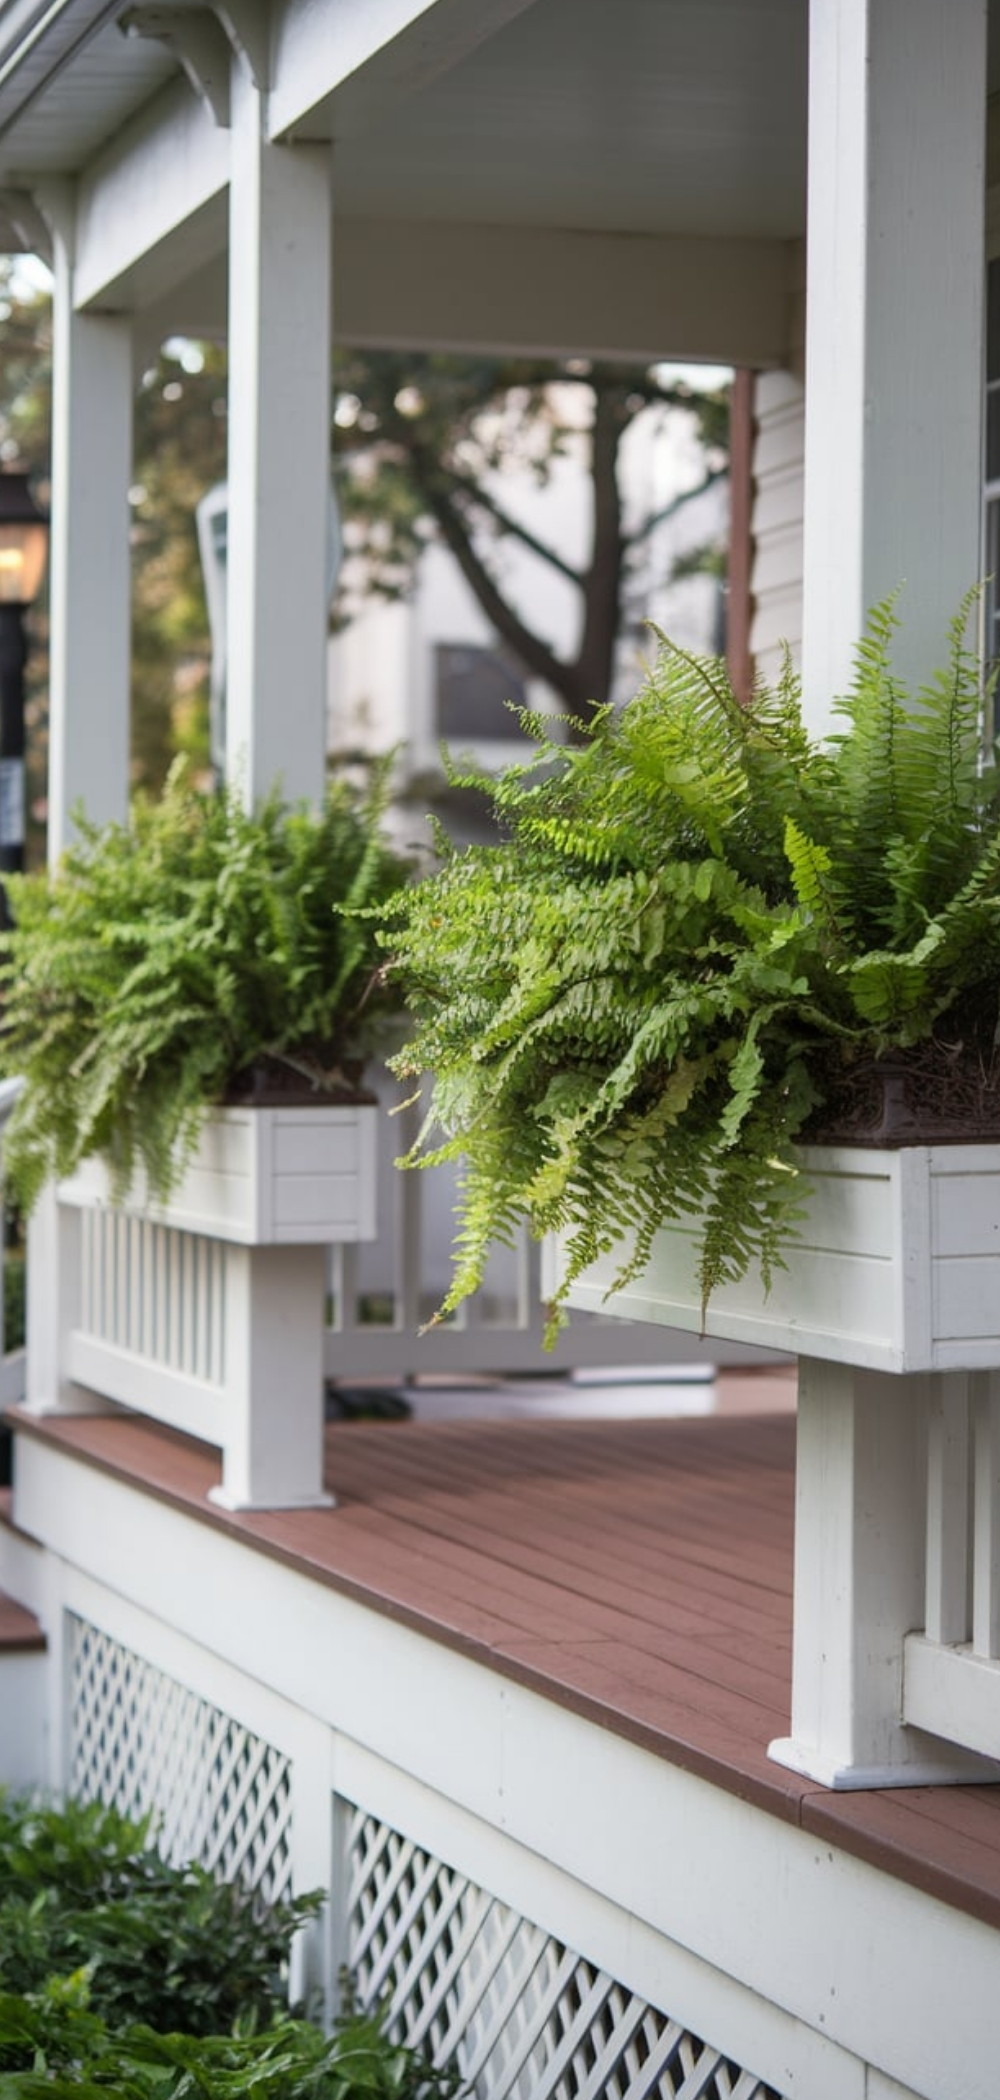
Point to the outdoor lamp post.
(24, 534)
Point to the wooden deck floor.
(637, 1572)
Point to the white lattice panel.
(526, 2018)
(145, 1744)
(153, 1291)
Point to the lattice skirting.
(145, 1744)
(525, 2017)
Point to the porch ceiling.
(652, 116)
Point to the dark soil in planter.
(276, 1082)
(937, 1093)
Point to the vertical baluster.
(986, 1543)
(100, 1264)
(409, 1307)
(187, 1287)
(167, 1296)
(145, 1321)
(947, 1604)
(87, 1270)
(219, 1297)
(347, 1293)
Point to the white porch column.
(90, 594)
(895, 270)
(895, 267)
(279, 454)
(89, 558)
(860, 1527)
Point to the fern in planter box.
(164, 960)
(696, 928)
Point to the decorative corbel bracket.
(203, 40)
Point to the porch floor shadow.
(636, 1572)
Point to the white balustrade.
(951, 1681)
(207, 1312)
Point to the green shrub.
(121, 1974)
(165, 957)
(696, 922)
(80, 1887)
(52, 2047)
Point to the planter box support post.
(859, 1579)
(273, 1454)
(53, 1311)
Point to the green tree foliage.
(179, 452)
(693, 925)
(426, 442)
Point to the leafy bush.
(60, 2052)
(52, 2047)
(119, 1973)
(80, 1886)
(695, 924)
(164, 957)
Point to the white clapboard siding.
(776, 519)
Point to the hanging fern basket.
(896, 1266)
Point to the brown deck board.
(638, 1573)
(20, 1632)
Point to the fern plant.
(163, 958)
(695, 922)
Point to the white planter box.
(897, 1266)
(263, 1177)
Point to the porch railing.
(182, 1316)
(951, 1676)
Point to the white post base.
(939, 1766)
(225, 1499)
(860, 1533)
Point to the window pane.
(473, 687)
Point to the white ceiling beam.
(145, 217)
(541, 291)
(556, 293)
(359, 60)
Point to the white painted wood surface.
(90, 590)
(894, 326)
(776, 520)
(279, 456)
(23, 1719)
(208, 1312)
(558, 292)
(896, 1265)
(261, 1177)
(860, 1584)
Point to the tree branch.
(678, 503)
(479, 497)
(534, 654)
